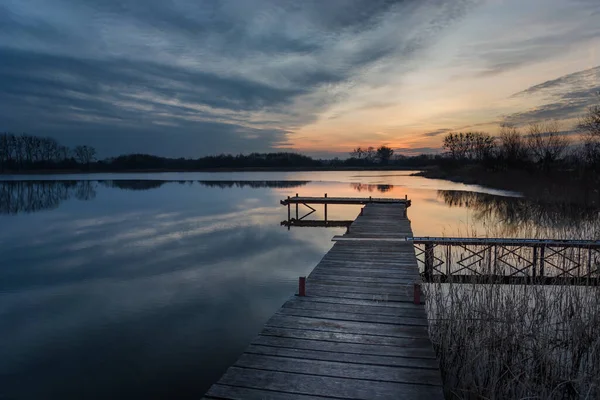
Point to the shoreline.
(165, 170)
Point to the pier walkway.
(357, 330)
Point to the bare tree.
(85, 154)
(589, 126)
(357, 153)
(546, 142)
(456, 144)
(513, 148)
(370, 154)
(384, 154)
(482, 145)
(476, 146)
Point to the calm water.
(150, 285)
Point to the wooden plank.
(370, 302)
(328, 386)
(347, 352)
(327, 325)
(219, 391)
(412, 311)
(350, 316)
(371, 272)
(372, 293)
(317, 275)
(384, 297)
(338, 369)
(370, 344)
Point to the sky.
(188, 78)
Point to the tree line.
(22, 152)
(541, 144)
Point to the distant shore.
(558, 186)
(248, 169)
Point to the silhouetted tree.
(85, 154)
(384, 154)
(357, 153)
(546, 143)
(589, 125)
(456, 145)
(477, 146)
(513, 148)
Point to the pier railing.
(491, 260)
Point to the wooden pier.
(356, 330)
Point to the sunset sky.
(191, 78)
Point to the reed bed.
(516, 341)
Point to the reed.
(516, 341)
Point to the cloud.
(437, 132)
(190, 78)
(565, 97)
(553, 28)
(416, 151)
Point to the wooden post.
(296, 211)
(302, 286)
(289, 210)
(589, 263)
(535, 261)
(429, 260)
(325, 204)
(542, 251)
(417, 293)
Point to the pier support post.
(541, 260)
(429, 260)
(534, 262)
(417, 293)
(325, 208)
(302, 286)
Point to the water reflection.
(517, 215)
(147, 293)
(362, 187)
(32, 196)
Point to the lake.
(150, 285)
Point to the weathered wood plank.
(318, 324)
(339, 369)
(326, 276)
(219, 391)
(369, 344)
(327, 386)
(289, 348)
(326, 291)
(412, 311)
(349, 316)
(370, 302)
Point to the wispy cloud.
(563, 98)
(191, 77)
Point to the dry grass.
(516, 342)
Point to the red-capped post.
(417, 293)
(302, 286)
